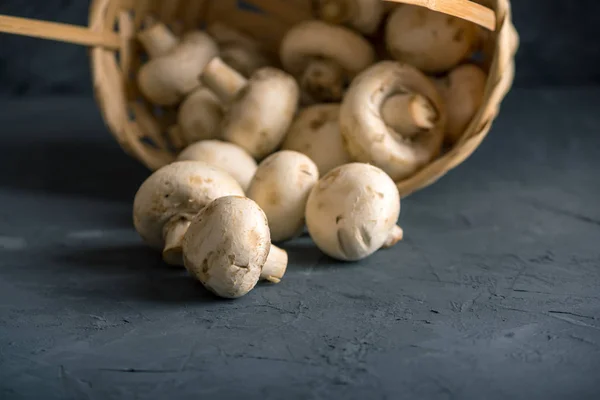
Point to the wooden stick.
(464, 9)
(60, 32)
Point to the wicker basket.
(142, 130)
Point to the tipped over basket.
(145, 131)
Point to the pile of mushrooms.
(318, 140)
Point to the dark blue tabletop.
(494, 294)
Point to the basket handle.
(465, 9)
(59, 32)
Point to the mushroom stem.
(408, 113)
(333, 11)
(275, 266)
(223, 80)
(158, 40)
(323, 79)
(396, 235)
(173, 233)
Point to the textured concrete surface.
(494, 294)
(558, 47)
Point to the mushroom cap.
(227, 245)
(463, 90)
(352, 210)
(200, 116)
(314, 39)
(362, 15)
(225, 34)
(316, 133)
(245, 60)
(281, 187)
(367, 137)
(367, 15)
(165, 80)
(433, 42)
(262, 112)
(230, 157)
(178, 190)
(238, 49)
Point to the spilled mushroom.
(166, 202)
(352, 212)
(316, 133)
(260, 110)
(231, 158)
(324, 58)
(367, 136)
(281, 187)
(228, 248)
(433, 42)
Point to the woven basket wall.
(142, 129)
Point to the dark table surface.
(494, 294)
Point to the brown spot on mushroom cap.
(319, 120)
(374, 192)
(254, 238)
(205, 269)
(198, 180)
(274, 198)
(459, 35)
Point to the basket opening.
(265, 20)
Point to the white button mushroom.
(167, 201)
(433, 42)
(362, 15)
(228, 248)
(324, 57)
(238, 50)
(260, 110)
(200, 116)
(352, 212)
(463, 90)
(230, 157)
(157, 40)
(167, 79)
(316, 133)
(366, 135)
(281, 187)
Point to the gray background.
(559, 46)
(493, 294)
